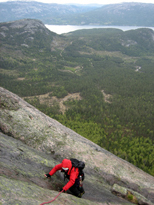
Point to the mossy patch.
(131, 198)
(8, 103)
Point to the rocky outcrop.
(26, 33)
(32, 143)
(130, 195)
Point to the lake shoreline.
(62, 29)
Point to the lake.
(61, 29)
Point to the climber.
(74, 173)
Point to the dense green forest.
(91, 63)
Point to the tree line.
(125, 125)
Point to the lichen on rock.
(33, 143)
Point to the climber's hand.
(47, 175)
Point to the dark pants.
(76, 190)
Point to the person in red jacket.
(72, 173)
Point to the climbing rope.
(53, 199)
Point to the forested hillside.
(49, 13)
(132, 14)
(97, 82)
(122, 14)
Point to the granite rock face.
(32, 143)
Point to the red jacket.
(72, 172)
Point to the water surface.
(61, 29)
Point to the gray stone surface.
(32, 143)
